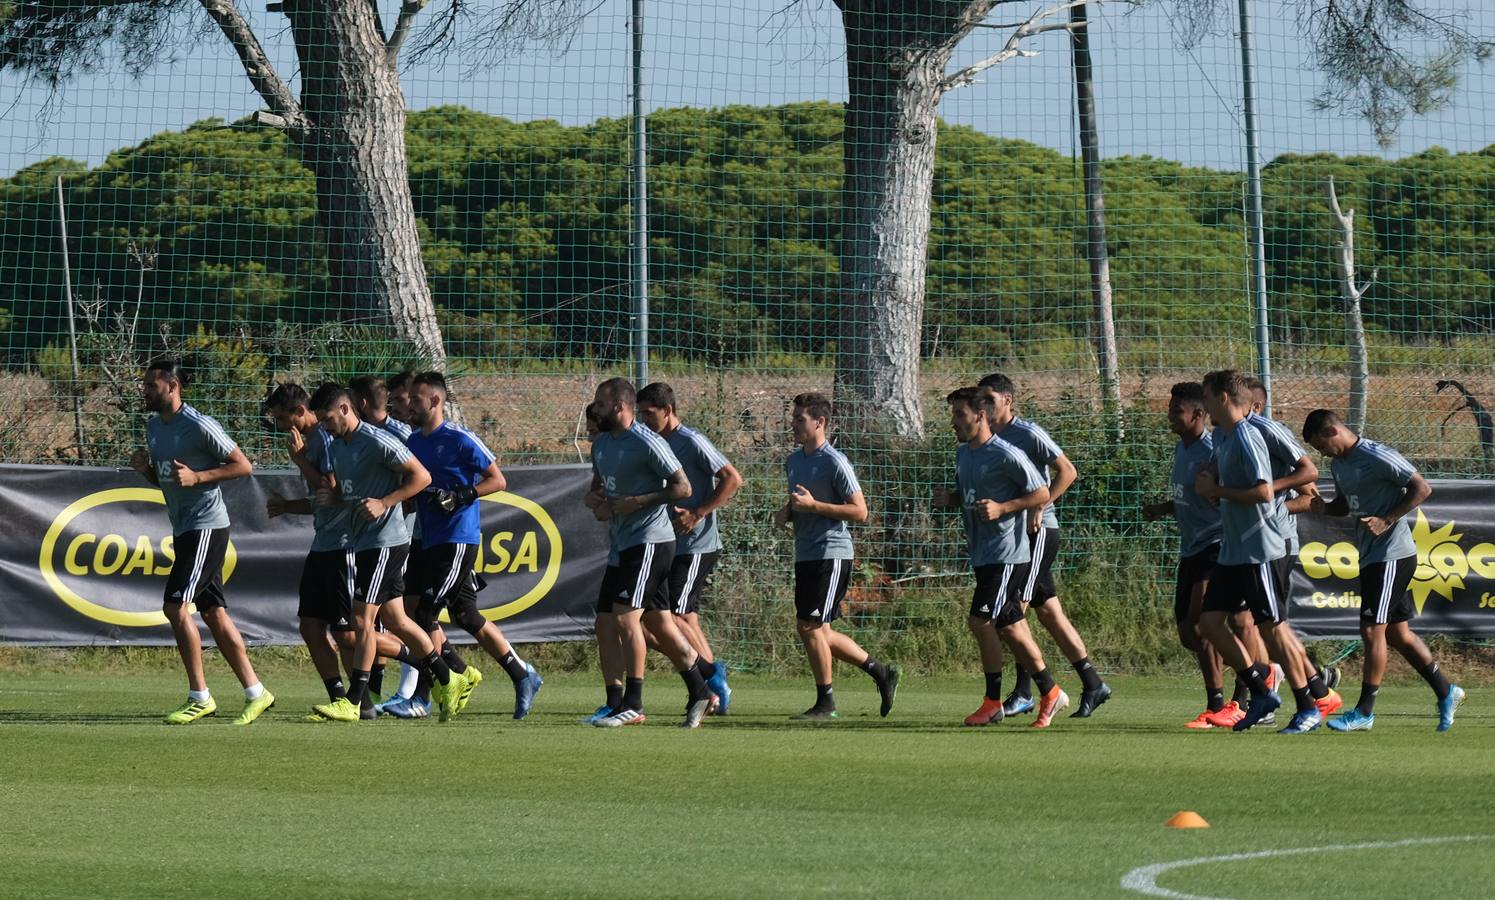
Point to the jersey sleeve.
(215, 440)
(392, 453)
(1255, 461)
(1280, 445)
(711, 459)
(1392, 466)
(662, 459)
(845, 478)
(319, 451)
(1027, 477)
(478, 453)
(1046, 451)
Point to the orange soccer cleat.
(1048, 705)
(1329, 704)
(990, 713)
(1225, 718)
(1201, 721)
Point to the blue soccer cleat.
(601, 713)
(1352, 720)
(406, 708)
(1259, 707)
(1303, 721)
(1448, 706)
(525, 690)
(1016, 704)
(717, 684)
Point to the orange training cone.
(1187, 819)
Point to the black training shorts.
(819, 587)
(197, 570)
(636, 579)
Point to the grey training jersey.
(1198, 519)
(701, 461)
(637, 462)
(829, 478)
(1248, 530)
(1042, 452)
(402, 431)
(201, 443)
(1371, 478)
(1285, 452)
(368, 464)
(995, 471)
(329, 523)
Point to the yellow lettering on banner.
(142, 560)
(111, 543)
(168, 553)
(70, 558)
(1320, 561)
(500, 551)
(1311, 555)
(1482, 560)
(528, 556)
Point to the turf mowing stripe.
(1144, 879)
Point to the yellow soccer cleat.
(191, 711)
(253, 708)
(340, 710)
(474, 678)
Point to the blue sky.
(1154, 98)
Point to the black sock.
(825, 697)
(423, 685)
(877, 670)
(994, 686)
(358, 689)
(695, 685)
(1303, 698)
(1368, 694)
(405, 656)
(1022, 684)
(376, 679)
(1214, 699)
(335, 688)
(614, 696)
(1256, 678)
(707, 669)
(633, 694)
(1242, 693)
(514, 666)
(1043, 681)
(1089, 678)
(452, 660)
(1435, 679)
(438, 667)
(1316, 686)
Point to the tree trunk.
(1352, 292)
(355, 146)
(1095, 218)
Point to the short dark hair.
(591, 414)
(370, 390)
(1188, 392)
(618, 390)
(1317, 421)
(999, 383)
(658, 395)
(286, 397)
(329, 395)
(400, 382)
(1253, 384)
(815, 403)
(1226, 383)
(973, 397)
(170, 367)
(434, 379)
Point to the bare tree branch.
(1030, 27)
(267, 83)
(408, 12)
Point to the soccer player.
(996, 486)
(412, 698)
(1042, 528)
(187, 455)
(635, 478)
(824, 497)
(374, 474)
(1294, 481)
(462, 470)
(1248, 572)
(1376, 485)
(698, 545)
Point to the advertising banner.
(84, 555)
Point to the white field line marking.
(1144, 879)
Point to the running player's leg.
(989, 596)
(1223, 598)
(688, 575)
(457, 592)
(819, 587)
(1188, 602)
(188, 645)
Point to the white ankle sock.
(253, 691)
(200, 696)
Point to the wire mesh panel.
(879, 205)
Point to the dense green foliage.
(525, 238)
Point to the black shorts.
(1038, 583)
(445, 578)
(1383, 591)
(819, 587)
(1256, 587)
(1285, 582)
(999, 593)
(197, 570)
(399, 586)
(327, 588)
(414, 566)
(635, 581)
(688, 575)
(377, 574)
(1191, 571)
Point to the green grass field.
(98, 799)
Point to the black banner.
(84, 555)
(1453, 589)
